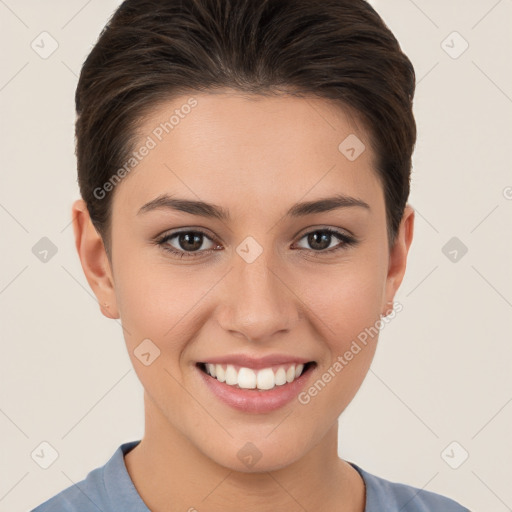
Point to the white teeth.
(246, 378)
(280, 377)
(266, 379)
(220, 373)
(231, 376)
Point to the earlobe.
(398, 257)
(94, 259)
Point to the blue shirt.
(110, 489)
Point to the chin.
(257, 456)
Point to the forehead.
(245, 148)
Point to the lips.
(264, 378)
(255, 385)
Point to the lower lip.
(253, 400)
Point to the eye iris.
(186, 237)
(324, 237)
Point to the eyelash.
(345, 239)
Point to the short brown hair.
(153, 50)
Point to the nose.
(258, 302)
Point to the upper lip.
(256, 362)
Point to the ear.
(398, 258)
(94, 259)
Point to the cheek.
(160, 302)
(348, 322)
(156, 303)
(345, 301)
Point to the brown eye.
(320, 240)
(186, 244)
(190, 241)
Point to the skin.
(256, 157)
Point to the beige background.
(442, 372)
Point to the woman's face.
(260, 288)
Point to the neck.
(167, 468)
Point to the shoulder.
(85, 496)
(94, 493)
(385, 496)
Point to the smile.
(247, 378)
(255, 384)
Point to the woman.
(244, 170)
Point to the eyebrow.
(203, 209)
